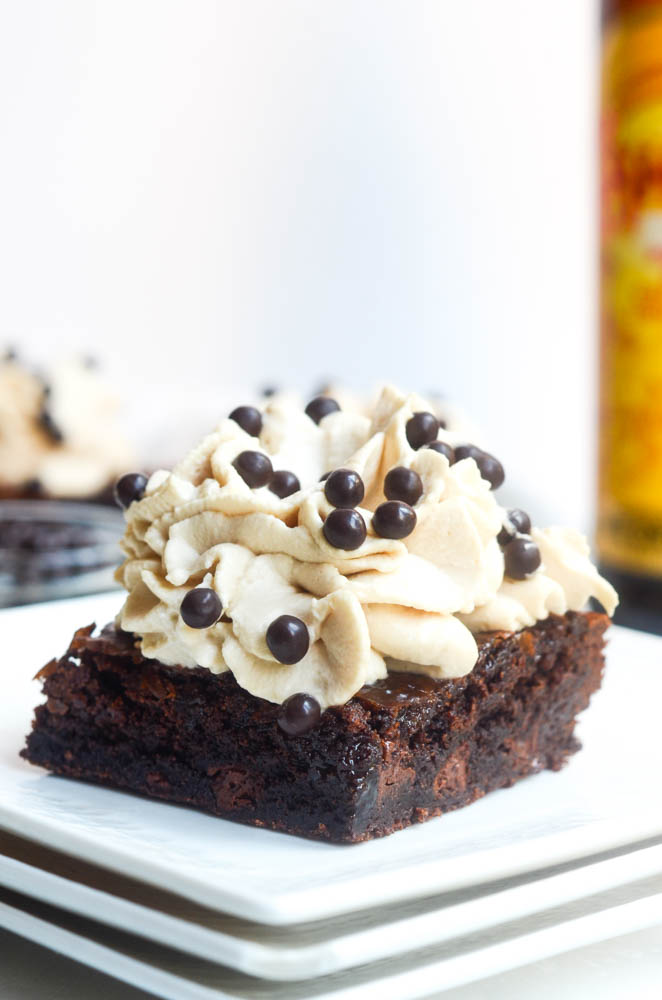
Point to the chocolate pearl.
(466, 451)
(443, 448)
(507, 533)
(421, 429)
(320, 407)
(299, 714)
(521, 557)
(288, 639)
(517, 522)
(489, 467)
(249, 419)
(394, 519)
(129, 488)
(254, 467)
(520, 519)
(442, 424)
(284, 483)
(403, 484)
(324, 478)
(201, 608)
(344, 529)
(47, 424)
(344, 488)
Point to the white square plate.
(608, 795)
(177, 976)
(305, 951)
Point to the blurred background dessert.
(62, 447)
(60, 432)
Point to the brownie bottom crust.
(401, 751)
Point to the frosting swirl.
(390, 604)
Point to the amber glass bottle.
(629, 530)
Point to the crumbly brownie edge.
(401, 751)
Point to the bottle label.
(630, 481)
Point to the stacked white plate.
(186, 905)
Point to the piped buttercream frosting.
(412, 604)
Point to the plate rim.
(413, 983)
(343, 950)
(430, 878)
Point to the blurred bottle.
(629, 533)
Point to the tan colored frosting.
(389, 605)
(92, 452)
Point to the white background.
(218, 193)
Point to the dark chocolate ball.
(320, 407)
(129, 488)
(344, 529)
(403, 484)
(394, 519)
(520, 519)
(507, 533)
(466, 451)
(443, 448)
(299, 714)
(344, 488)
(254, 467)
(489, 467)
(47, 424)
(201, 608)
(324, 478)
(288, 639)
(521, 557)
(284, 483)
(421, 429)
(249, 419)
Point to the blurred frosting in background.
(60, 431)
(68, 432)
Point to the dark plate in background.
(52, 549)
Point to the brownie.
(399, 752)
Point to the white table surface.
(628, 966)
